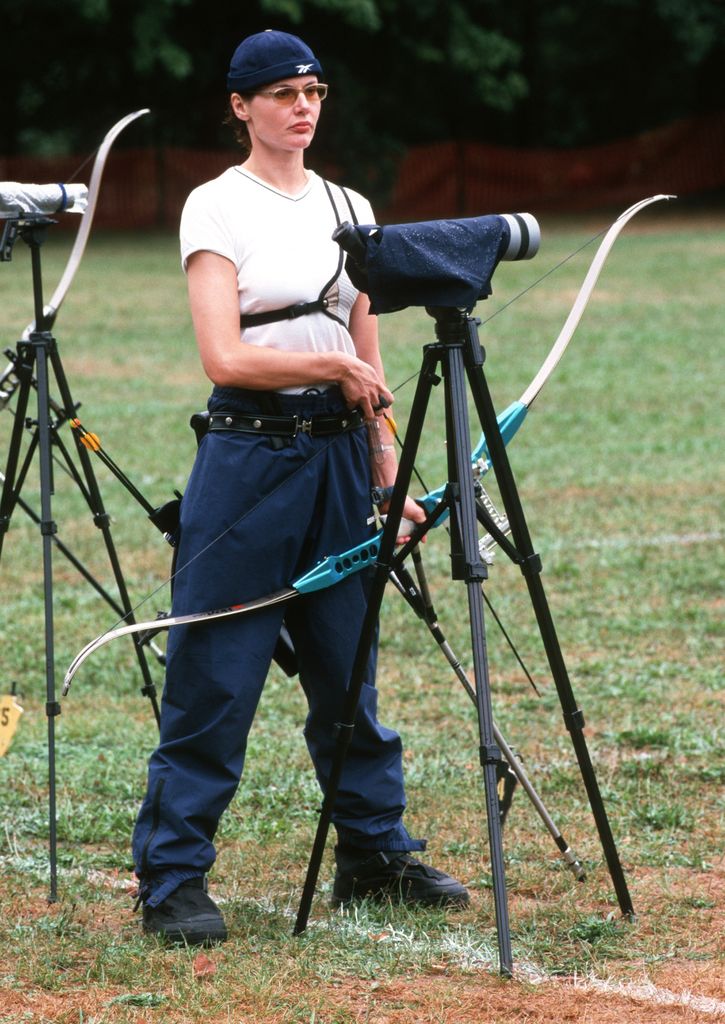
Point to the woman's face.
(278, 125)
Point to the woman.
(282, 479)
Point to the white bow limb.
(76, 254)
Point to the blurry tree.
(69, 68)
(402, 72)
(611, 68)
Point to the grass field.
(619, 466)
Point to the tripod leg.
(47, 529)
(8, 500)
(530, 565)
(465, 527)
(427, 613)
(81, 569)
(102, 521)
(567, 853)
(387, 545)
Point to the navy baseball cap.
(267, 57)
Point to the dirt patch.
(683, 986)
(429, 999)
(465, 1000)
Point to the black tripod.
(457, 358)
(36, 359)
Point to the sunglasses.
(286, 95)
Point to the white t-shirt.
(282, 248)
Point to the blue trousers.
(253, 518)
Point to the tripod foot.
(575, 866)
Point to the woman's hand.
(412, 514)
(363, 387)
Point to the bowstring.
(84, 163)
(515, 298)
(548, 273)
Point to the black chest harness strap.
(318, 305)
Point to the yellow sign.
(10, 712)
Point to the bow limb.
(50, 311)
(326, 573)
(580, 303)
(166, 622)
(513, 416)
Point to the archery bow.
(513, 416)
(50, 311)
(334, 568)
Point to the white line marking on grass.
(464, 947)
(644, 990)
(658, 541)
(647, 992)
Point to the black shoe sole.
(189, 933)
(454, 901)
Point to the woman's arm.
(229, 362)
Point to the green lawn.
(619, 466)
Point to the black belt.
(286, 426)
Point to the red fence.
(685, 158)
(147, 187)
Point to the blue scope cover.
(446, 263)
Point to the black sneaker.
(187, 917)
(389, 875)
